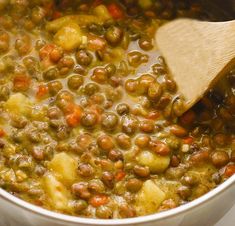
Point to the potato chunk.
(64, 167)
(69, 37)
(156, 163)
(58, 196)
(149, 198)
(19, 104)
(81, 20)
(102, 12)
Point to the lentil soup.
(91, 123)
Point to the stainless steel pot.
(205, 211)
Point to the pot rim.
(127, 221)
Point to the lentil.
(95, 127)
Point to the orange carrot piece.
(188, 140)
(120, 175)
(2, 132)
(42, 91)
(73, 115)
(99, 200)
(229, 170)
(115, 11)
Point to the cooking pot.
(204, 211)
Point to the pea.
(134, 185)
(75, 81)
(31, 64)
(184, 192)
(178, 106)
(4, 41)
(105, 142)
(136, 58)
(85, 170)
(220, 158)
(81, 190)
(109, 121)
(115, 155)
(96, 186)
(114, 35)
(23, 45)
(63, 98)
(131, 85)
(142, 141)
(8, 63)
(190, 179)
(4, 93)
(89, 119)
(100, 75)
(141, 171)
(154, 91)
(91, 88)
(51, 74)
(123, 109)
(108, 179)
(83, 57)
(145, 43)
(54, 87)
(54, 113)
(129, 124)
(79, 205)
(39, 44)
(147, 126)
(96, 29)
(144, 82)
(104, 212)
(37, 14)
(123, 141)
(111, 69)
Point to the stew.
(91, 123)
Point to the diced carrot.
(73, 115)
(99, 200)
(42, 91)
(72, 120)
(95, 43)
(229, 170)
(115, 11)
(21, 82)
(188, 140)
(45, 51)
(188, 117)
(71, 107)
(120, 175)
(2, 133)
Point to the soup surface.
(90, 119)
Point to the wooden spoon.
(197, 54)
